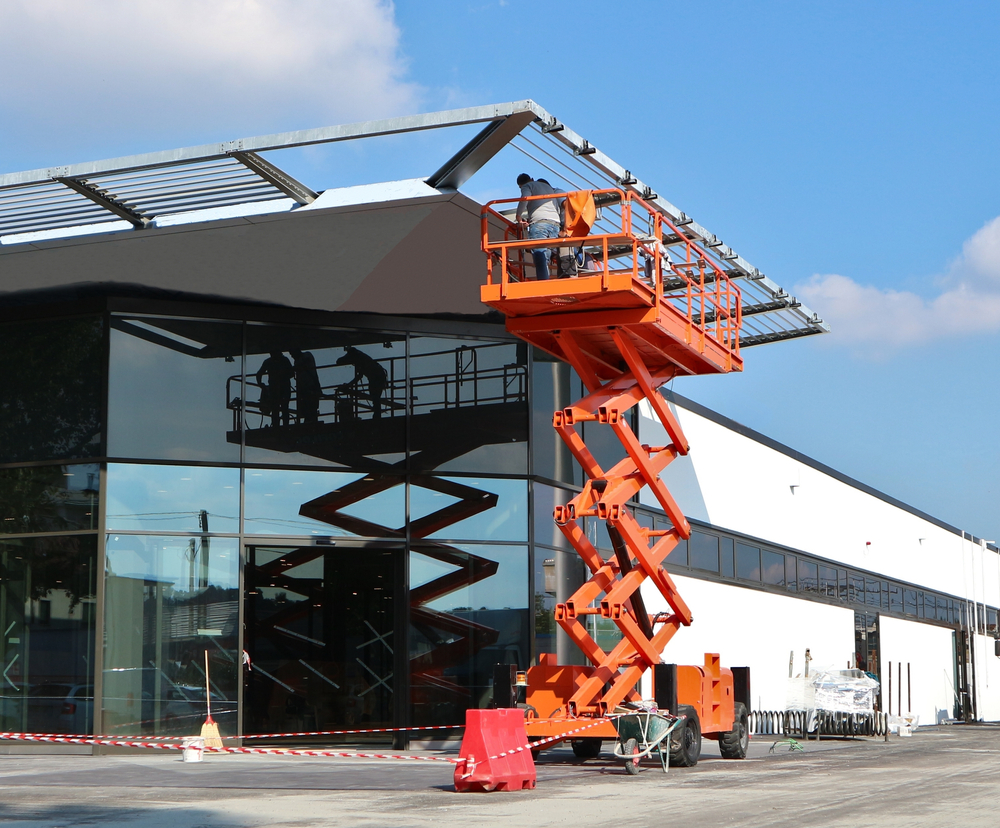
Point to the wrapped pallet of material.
(831, 691)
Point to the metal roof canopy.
(140, 188)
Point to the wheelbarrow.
(640, 733)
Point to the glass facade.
(171, 603)
(347, 522)
(48, 595)
(51, 390)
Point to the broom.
(210, 730)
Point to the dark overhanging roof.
(136, 191)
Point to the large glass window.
(51, 387)
(468, 405)
(828, 581)
(704, 551)
(324, 503)
(808, 576)
(546, 499)
(173, 498)
(554, 386)
(319, 396)
(320, 631)
(726, 563)
(48, 589)
(772, 567)
(169, 600)
(468, 612)
(747, 562)
(174, 390)
(48, 498)
(473, 508)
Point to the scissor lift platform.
(633, 319)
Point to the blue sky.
(847, 150)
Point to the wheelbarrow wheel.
(630, 750)
(685, 742)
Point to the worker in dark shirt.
(276, 395)
(365, 367)
(307, 387)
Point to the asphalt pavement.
(939, 775)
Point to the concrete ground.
(939, 776)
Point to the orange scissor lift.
(628, 322)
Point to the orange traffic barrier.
(495, 754)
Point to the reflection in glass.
(325, 503)
(173, 498)
(166, 388)
(772, 567)
(747, 562)
(828, 581)
(791, 579)
(554, 386)
(48, 499)
(468, 612)
(872, 593)
(546, 500)
(318, 396)
(319, 631)
(545, 600)
(910, 601)
(727, 568)
(168, 601)
(808, 576)
(895, 598)
(474, 508)
(51, 387)
(704, 551)
(48, 592)
(468, 406)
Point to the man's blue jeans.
(542, 230)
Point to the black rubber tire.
(685, 742)
(589, 748)
(631, 748)
(733, 744)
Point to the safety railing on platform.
(341, 400)
(628, 236)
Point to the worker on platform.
(276, 395)
(367, 368)
(541, 216)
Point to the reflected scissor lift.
(474, 406)
(652, 305)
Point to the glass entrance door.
(318, 628)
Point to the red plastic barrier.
(495, 755)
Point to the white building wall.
(735, 482)
(929, 652)
(756, 629)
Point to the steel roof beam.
(109, 203)
(473, 156)
(277, 177)
(282, 140)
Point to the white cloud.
(169, 66)
(864, 315)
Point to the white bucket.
(905, 730)
(194, 748)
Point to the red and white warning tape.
(84, 740)
(161, 743)
(258, 735)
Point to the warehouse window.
(704, 551)
(772, 567)
(747, 562)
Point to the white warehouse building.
(856, 586)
